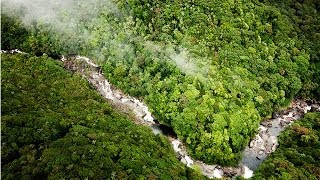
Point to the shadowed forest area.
(54, 126)
(211, 70)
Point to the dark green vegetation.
(209, 69)
(298, 154)
(53, 125)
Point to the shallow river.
(262, 145)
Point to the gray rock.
(260, 152)
(266, 123)
(314, 108)
(231, 171)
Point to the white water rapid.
(262, 145)
(265, 142)
(259, 148)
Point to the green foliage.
(54, 126)
(298, 154)
(209, 69)
(12, 33)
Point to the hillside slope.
(54, 126)
(209, 69)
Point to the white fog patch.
(65, 18)
(179, 56)
(59, 13)
(184, 63)
(61, 18)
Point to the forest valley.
(212, 71)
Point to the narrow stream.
(259, 148)
(265, 141)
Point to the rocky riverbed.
(265, 142)
(259, 148)
(262, 145)
(93, 74)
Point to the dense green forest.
(55, 126)
(209, 69)
(298, 154)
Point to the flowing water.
(265, 142)
(262, 145)
(259, 148)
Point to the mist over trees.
(209, 69)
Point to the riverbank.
(265, 142)
(262, 145)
